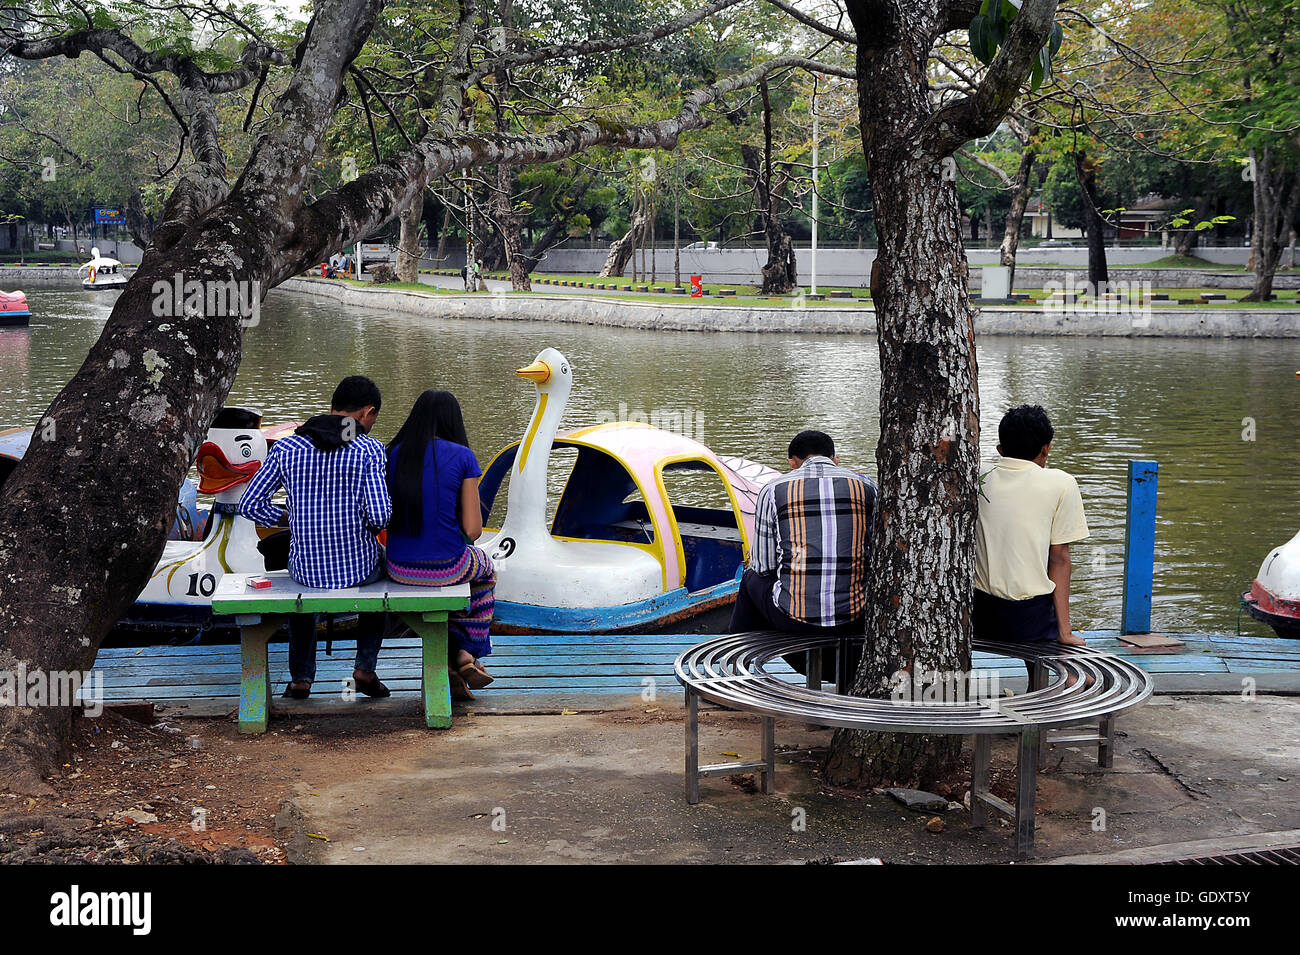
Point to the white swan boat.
(102, 273)
(621, 552)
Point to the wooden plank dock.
(583, 673)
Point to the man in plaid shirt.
(336, 490)
(812, 547)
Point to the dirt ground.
(607, 787)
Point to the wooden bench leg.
(1026, 791)
(1106, 746)
(692, 747)
(432, 628)
(769, 756)
(979, 784)
(255, 674)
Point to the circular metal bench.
(1068, 686)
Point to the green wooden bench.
(260, 613)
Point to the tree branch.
(979, 113)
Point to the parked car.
(701, 247)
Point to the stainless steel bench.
(1068, 686)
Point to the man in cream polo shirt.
(1029, 515)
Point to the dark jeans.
(302, 638)
(1014, 621)
(754, 610)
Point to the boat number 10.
(203, 584)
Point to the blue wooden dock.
(583, 673)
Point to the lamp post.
(814, 195)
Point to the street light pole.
(814, 196)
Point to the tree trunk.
(168, 378)
(677, 233)
(124, 431)
(1098, 276)
(409, 249)
(650, 233)
(1275, 211)
(138, 222)
(923, 543)
(442, 238)
(621, 250)
(780, 273)
(1023, 189)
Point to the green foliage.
(989, 31)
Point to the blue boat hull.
(664, 612)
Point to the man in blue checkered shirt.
(336, 491)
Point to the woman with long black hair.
(432, 479)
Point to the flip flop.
(475, 676)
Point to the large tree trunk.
(923, 542)
(1021, 191)
(85, 515)
(145, 384)
(409, 249)
(1098, 275)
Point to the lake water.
(1224, 501)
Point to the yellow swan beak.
(538, 371)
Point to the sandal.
(459, 691)
(297, 691)
(371, 687)
(475, 676)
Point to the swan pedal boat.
(619, 554)
(102, 273)
(1274, 595)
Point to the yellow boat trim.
(656, 549)
(532, 431)
(226, 527)
(672, 514)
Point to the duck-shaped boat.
(14, 309)
(1274, 595)
(103, 273)
(620, 553)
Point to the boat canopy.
(616, 487)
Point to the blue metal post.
(1140, 546)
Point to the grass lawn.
(747, 294)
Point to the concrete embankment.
(1156, 322)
